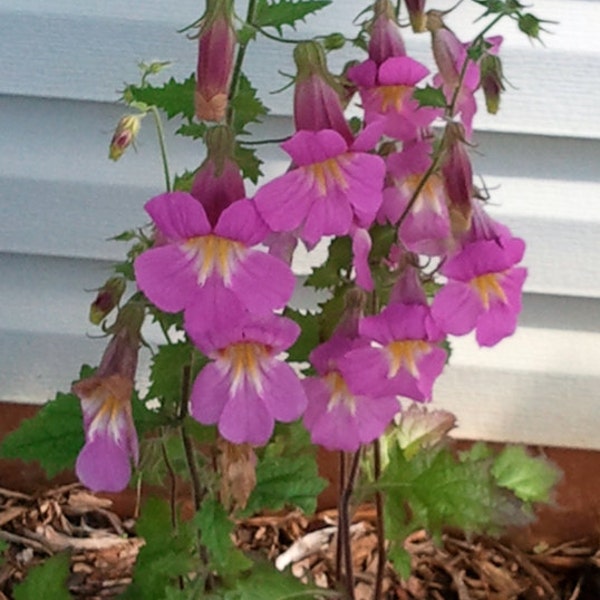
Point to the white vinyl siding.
(61, 198)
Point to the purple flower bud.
(216, 51)
(124, 136)
(317, 95)
(385, 41)
(416, 14)
(218, 182)
(458, 178)
(107, 299)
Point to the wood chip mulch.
(104, 547)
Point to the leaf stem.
(381, 551)
(161, 143)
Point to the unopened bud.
(216, 51)
(416, 14)
(107, 299)
(125, 133)
(386, 41)
(491, 81)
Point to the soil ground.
(104, 547)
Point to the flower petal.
(178, 215)
(103, 465)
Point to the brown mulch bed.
(104, 548)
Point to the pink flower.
(216, 51)
(247, 388)
(104, 463)
(386, 91)
(483, 290)
(426, 227)
(333, 187)
(339, 416)
(211, 273)
(406, 358)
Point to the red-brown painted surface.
(575, 514)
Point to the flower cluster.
(208, 259)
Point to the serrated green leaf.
(285, 12)
(430, 96)
(167, 553)
(215, 531)
(184, 182)
(53, 437)
(287, 474)
(265, 582)
(48, 580)
(174, 97)
(192, 130)
(308, 339)
(338, 264)
(530, 478)
(248, 162)
(246, 105)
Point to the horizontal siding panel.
(58, 49)
(69, 201)
(540, 386)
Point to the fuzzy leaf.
(193, 130)
(430, 96)
(166, 554)
(530, 478)
(285, 12)
(174, 97)
(48, 580)
(309, 334)
(248, 162)
(53, 437)
(287, 473)
(247, 106)
(339, 262)
(215, 530)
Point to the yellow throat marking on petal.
(405, 353)
(245, 361)
(392, 96)
(213, 253)
(328, 173)
(431, 195)
(488, 287)
(340, 394)
(113, 393)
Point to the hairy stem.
(344, 525)
(381, 551)
(161, 143)
(239, 61)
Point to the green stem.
(239, 61)
(344, 525)
(161, 143)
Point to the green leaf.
(193, 130)
(337, 265)
(248, 162)
(246, 105)
(265, 582)
(53, 437)
(430, 96)
(285, 12)
(184, 182)
(530, 478)
(287, 473)
(174, 97)
(48, 580)
(309, 337)
(215, 530)
(167, 553)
